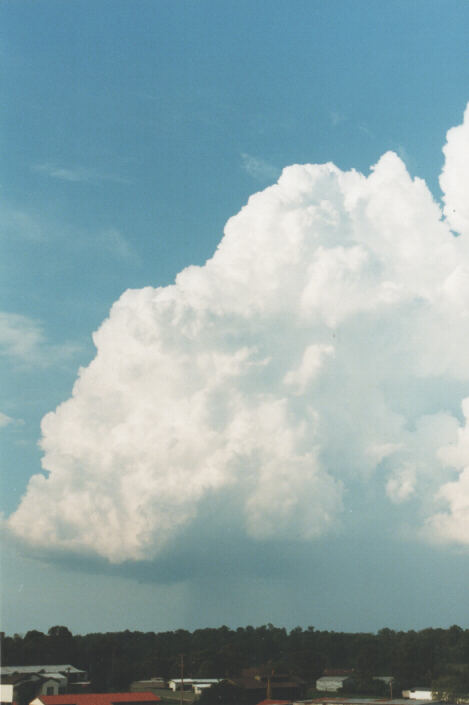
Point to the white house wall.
(6, 693)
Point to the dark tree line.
(438, 657)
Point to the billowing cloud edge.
(322, 344)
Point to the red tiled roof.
(98, 698)
(352, 699)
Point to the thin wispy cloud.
(259, 169)
(406, 157)
(76, 174)
(41, 229)
(6, 420)
(366, 130)
(19, 224)
(23, 341)
(337, 118)
(118, 246)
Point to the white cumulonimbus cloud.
(325, 342)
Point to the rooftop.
(47, 668)
(12, 678)
(195, 680)
(98, 698)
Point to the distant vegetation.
(436, 657)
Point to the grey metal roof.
(12, 678)
(195, 680)
(47, 668)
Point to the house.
(22, 683)
(97, 699)
(53, 684)
(17, 688)
(73, 674)
(54, 679)
(6, 693)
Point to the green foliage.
(59, 633)
(367, 686)
(453, 683)
(113, 660)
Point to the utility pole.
(268, 694)
(182, 680)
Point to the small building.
(344, 700)
(66, 670)
(419, 693)
(53, 684)
(333, 684)
(6, 693)
(17, 688)
(270, 686)
(149, 685)
(199, 688)
(49, 679)
(195, 684)
(30, 681)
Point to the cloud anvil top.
(331, 297)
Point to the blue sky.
(131, 133)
